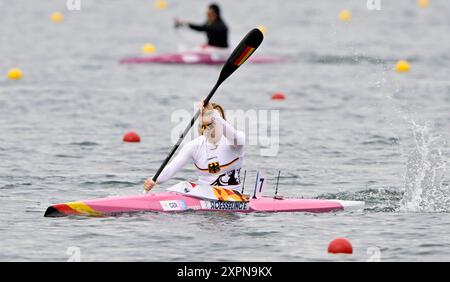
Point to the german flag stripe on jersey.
(244, 56)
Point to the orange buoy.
(340, 246)
(131, 137)
(278, 96)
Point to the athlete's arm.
(197, 27)
(235, 137)
(182, 158)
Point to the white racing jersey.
(217, 164)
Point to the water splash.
(377, 200)
(425, 190)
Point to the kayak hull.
(174, 202)
(195, 58)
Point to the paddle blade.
(241, 53)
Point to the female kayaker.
(215, 28)
(217, 153)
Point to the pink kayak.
(195, 58)
(225, 200)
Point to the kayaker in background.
(217, 153)
(215, 28)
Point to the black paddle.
(241, 53)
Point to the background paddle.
(180, 40)
(241, 53)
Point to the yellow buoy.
(160, 4)
(402, 66)
(14, 74)
(57, 17)
(263, 29)
(345, 15)
(148, 48)
(423, 3)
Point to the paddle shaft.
(186, 131)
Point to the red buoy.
(340, 246)
(278, 96)
(131, 137)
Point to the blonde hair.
(220, 109)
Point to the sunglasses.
(203, 127)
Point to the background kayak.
(198, 58)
